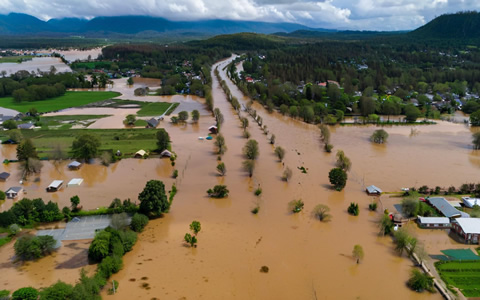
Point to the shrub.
(410, 207)
(255, 210)
(175, 173)
(57, 291)
(246, 134)
(195, 227)
(280, 153)
(2, 195)
(32, 247)
(296, 205)
(221, 169)
(26, 293)
(338, 178)
(420, 281)
(258, 191)
(250, 150)
(380, 136)
(119, 221)
(128, 238)
(353, 209)
(14, 229)
(100, 246)
(191, 240)
(138, 223)
(219, 191)
(321, 212)
(249, 167)
(110, 265)
(328, 148)
(287, 174)
(372, 206)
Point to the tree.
(130, 120)
(195, 116)
(15, 135)
(244, 122)
(343, 162)
(221, 169)
(75, 201)
(26, 150)
(130, 81)
(26, 293)
(380, 136)
(249, 167)
(138, 223)
(404, 242)
(220, 144)
(183, 116)
(280, 152)
(410, 207)
(411, 113)
(119, 221)
(218, 116)
(163, 139)
(86, 146)
(57, 291)
(195, 227)
(153, 200)
(250, 150)
(420, 281)
(353, 209)
(9, 124)
(191, 240)
(296, 206)
(322, 212)
(32, 247)
(476, 140)
(385, 224)
(272, 139)
(287, 174)
(218, 191)
(338, 178)
(100, 246)
(357, 253)
(324, 133)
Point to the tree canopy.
(86, 146)
(153, 199)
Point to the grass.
(57, 120)
(70, 99)
(154, 109)
(128, 141)
(140, 123)
(5, 240)
(465, 275)
(15, 59)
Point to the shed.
(468, 228)
(140, 154)
(373, 190)
(75, 182)
(433, 222)
(14, 192)
(55, 186)
(4, 176)
(74, 165)
(26, 126)
(166, 153)
(445, 208)
(213, 129)
(152, 123)
(467, 201)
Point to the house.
(75, 182)
(445, 208)
(334, 82)
(249, 79)
(468, 229)
(166, 153)
(140, 153)
(467, 201)
(433, 222)
(152, 123)
(373, 190)
(26, 126)
(74, 165)
(4, 176)
(14, 192)
(213, 129)
(55, 186)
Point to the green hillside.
(462, 25)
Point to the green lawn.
(57, 120)
(465, 275)
(14, 59)
(5, 240)
(128, 141)
(70, 99)
(154, 109)
(141, 123)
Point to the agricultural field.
(70, 99)
(465, 275)
(14, 59)
(155, 109)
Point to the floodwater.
(75, 54)
(307, 259)
(37, 63)
(114, 121)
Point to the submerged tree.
(287, 174)
(343, 162)
(380, 136)
(385, 224)
(221, 169)
(322, 212)
(476, 140)
(250, 150)
(195, 116)
(420, 281)
(153, 199)
(163, 139)
(338, 178)
(357, 253)
(220, 144)
(280, 152)
(249, 166)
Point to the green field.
(14, 59)
(57, 120)
(70, 99)
(128, 141)
(465, 275)
(154, 109)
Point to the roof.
(74, 164)
(75, 181)
(25, 126)
(469, 225)
(469, 202)
(444, 207)
(141, 152)
(4, 175)
(56, 184)
(15, 189)
(153, 122)
(212, 127)
(166, 153)
(433, 220)
(373, 189)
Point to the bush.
(175, 174)
(287, 174)
(128, 238)
(410, 207)
(353, 209)
(221, 169)
(119, 221)
(372, 206)
(420, 281)
(338, 178)
(258, 191)
(57, 291)
(32, 247)
(100, 246)
(219, 191)
(139, 221)
(296, 205)
(26, 293)
(14, 229)
(110, 265)
(380, 136)
(321, 212)
(2, 195)
(190, 239)
(280, 153)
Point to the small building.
(140, 153)
(467, 201)
(468, 229)
(249, 79)
(75, 182)
(213, 129)
(74, 165)
(373, 190)
(433, 222)
(152, 123)
(26, 126)
(166, 153)
(55, 186)
(4, 176)
(14, 192)
(444, 207)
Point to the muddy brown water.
(306, 259)
(42, 63)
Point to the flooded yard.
(37, 63)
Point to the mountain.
(463, 25)
(22, 24)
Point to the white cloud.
(342, 14)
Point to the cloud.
(340, 14)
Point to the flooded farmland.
(306, 259)
(37, 63)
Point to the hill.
(462, 25)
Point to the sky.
(383, 15)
